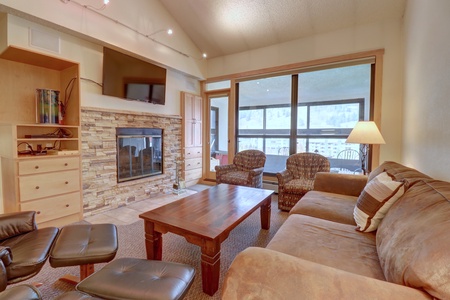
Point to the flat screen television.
(131, 78)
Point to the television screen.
(128, 77)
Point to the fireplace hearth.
(139, 153)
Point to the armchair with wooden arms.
(247, 169)
(298, 177)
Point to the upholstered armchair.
(298, 177)
(24, 248)
(247, 169)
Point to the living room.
(415, 67)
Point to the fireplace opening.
(139, 153)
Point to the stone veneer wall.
(101, 191)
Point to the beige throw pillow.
(375, 200)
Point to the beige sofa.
(319, 254)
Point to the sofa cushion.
(399, 172)
(375, 200)
(329, 243)
(413, 238)
(328, 206)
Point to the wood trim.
(377, 88)
(300, 65)
(116, 111)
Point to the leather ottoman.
(134, 278)
(84, 245)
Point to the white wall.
(386, 34)
(89, 53)
(143, 16)
(427, 87)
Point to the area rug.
(176, 249)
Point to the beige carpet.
(175, 248)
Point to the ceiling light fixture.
(88, 6)
(168, 31)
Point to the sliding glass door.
(328, 103)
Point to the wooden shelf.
(58, 198)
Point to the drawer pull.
(37, 187)
(67, 205)
(67, 182)
(36, 167)
(66, 164)
(38, 212)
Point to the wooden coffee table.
(206, 219)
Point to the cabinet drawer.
(193, 174)
(54, 207)
(192, 152)
(193, 163)
(36, 166)
(44, 185)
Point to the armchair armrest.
(5, 260)
(252, 276)
(256, 172)
(17, 223)
(344, 184)
(225, 168)
(6, 255)
(284, 177)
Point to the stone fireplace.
(99, 128)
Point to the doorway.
(218, 139)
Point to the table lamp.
(365, 133)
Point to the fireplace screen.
(139, 153)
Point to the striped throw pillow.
(375, 200)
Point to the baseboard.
(270, 185)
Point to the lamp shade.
(365, 132)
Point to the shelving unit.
(32, 180)
(192, 137)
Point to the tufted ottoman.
(84, 245)
(134, 278)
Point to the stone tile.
(130, 213)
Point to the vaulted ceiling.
(222, 27)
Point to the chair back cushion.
(306, 165)
(247, 160)
(13, 224)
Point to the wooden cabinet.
(40, 162)
(192, 141)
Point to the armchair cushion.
(299, 186)
(21, 292)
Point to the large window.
(328, 104)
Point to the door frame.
(208, 175)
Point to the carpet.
(176, 249)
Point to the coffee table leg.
(210, 269)
(265, 213)
(153, 241)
